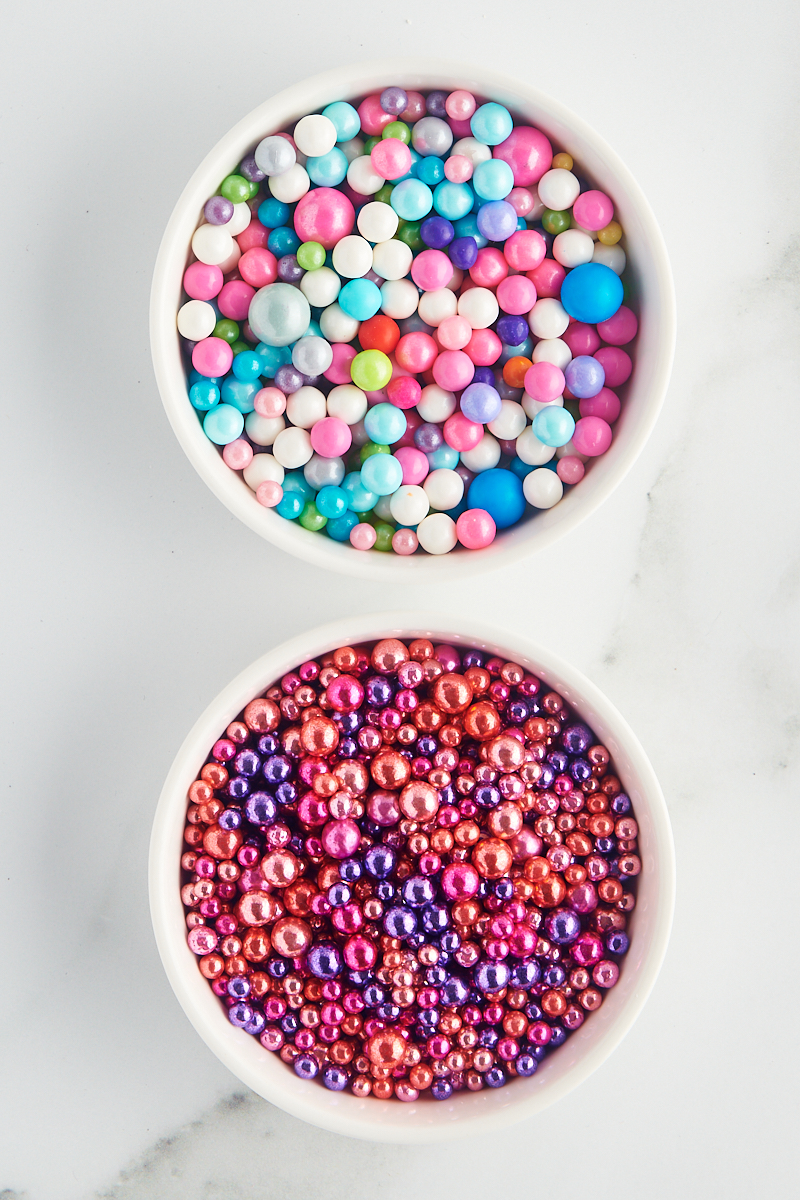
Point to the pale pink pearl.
(269, 493)
(331, 437)
(404, 541)
(544, 382)
(520, 200)
(341, 839)
(458, 169)
(570, 469)
(462, 434)
(454, 333)
(238, 455)
(460, 105)
(383, 809)
(269, 402)
(404, 1091)
(525, 844)
(592, 436)
(363, 536)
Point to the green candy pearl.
(238, 347)
(397, 129)
(254, 189)
(236, 189)
(384, 533)
(556, 222)
(311, 518)
(384, 194)
(408, 232)
(310, 256)
(371, 448)
(370, 144)
(371, 370)
(227, 330)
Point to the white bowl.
(649, 272)
(466, 1112)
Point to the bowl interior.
(466, 1112)
(651, 284)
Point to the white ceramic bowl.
(466, 1112)
(649, 272)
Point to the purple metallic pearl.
(256, 1024)
(277, 768)
(246, 762)
(418, 890)
(463, 252)
(379, 861)
(437, 232)
(585, 376)
(496, 220)
(289, 270)
(350, 870)
(338, 894)
(473, 658)
(434, 104)
(580, 770)
(347, 748)
(525, 976)
(557, 760)
(230, 819)
(454, 991)
(617, 942)
(558, 1037)
(487, 796)
(427, 746)
(526, 1065)
(428, 437)
(400, 922)
(546, 778)
(286, 793)
(576, 739)
(268, 744)
(491, 976)
(288, 379)
(324, 961)
(394, 100)
(621, 804)
(512, 331)
(563, 926)
(480, 402)
(249, 168)
(441, 1089)
(218, 210)
(240, 1014)
(495, 1077)
(378, 690)
(554, 976)
(335, 1079)
(306, 1066)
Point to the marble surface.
(132, 597)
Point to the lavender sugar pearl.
(218, 210)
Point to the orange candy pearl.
(419, 801)
(390, 770)
(319, 736)
(482, 721)
(492, 858)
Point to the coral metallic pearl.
(419, 801)
(389, 655)
(222, 843)
(482, 721)
(319, 736)
(262, 716)
(549, 892)
(291, 937)
(341, 839)
(492, 858)
(345, 693)
(257, 908)
(280, 868)
(386, 1048)
(452, 693)
(506, 753)
(505, 821)
(390, 770)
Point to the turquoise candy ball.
(491, 124)
(453, 200)
(385, 424)
(239, 392)
(445, 456)
(331, 501)
(279, 314)
(382, 473)
(412, 199)
(345, 118)
(360, 299)
(553, 425)
(223, 424)
(500, 493)
(339, 528)
(290, 506)
(327, 170)
(591, 292)
(358, 498)
(204, 394)
(493, 180)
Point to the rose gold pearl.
(361, 1086)
(591, 999)
(475, 1081)
(386, 1048)
(222, 843)
(482, 721)
(212, 966)
(256, 908)
(492, 858)
(421, 1076)
(345, 658)
(428, 718)
(319, 735)
(419, 801)
(388, 655)
(280, 868)
(549, 892)
(554, 1003)
(291, 937)
(383, 1089)
(512, 674)
(506, 753)
(452, 693)
(483, 1060)
(390, 770)
(505, 821)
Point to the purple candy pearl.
(585, 376)
(305, 1066)
(484, 375)
(394, 100)
(496, 220)
(218, 210)
(436, 232)
(335, 1078)
(250, 170)
(428, 437)
(288, 379)
(463, 252)
(434, 105)
(481, 402)
(512, 331)
(563, 926)
(289, 269)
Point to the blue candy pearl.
(358, 498)
(239, 392)
(493, 179)
(500, 493)
(331, 502)
(412, 199)
(273, 358)
(223, 424)
(452, 200)
(290, 506)
(385, 424)
(591, 292)
(382, 474)
(247, 365)
(553, 425)
(468, 227)
(327, 170)
(445, 456)
(339, 528)
(345, 118)
(360, 299)
(204, 395)
(283, 240)
(273, 213)
(430, 170)
(491, 124)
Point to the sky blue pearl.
(327, 170)
(491, 124)
(223, 424)
(273, 213)
(345, 118)
(360, 299)
(430, 170)
(239, 392)
(290, 506)
(358, 498)
(382, 473)
(553, 425)
(339, 528)
(453, 200)
(412, 199)
(283, 240)
(521, 223)
(247, 365)
(204, 394)
(331, 501)
(295, 481)
(523, 350)
(196, 377)
(481, 402)
(468, 227)
(520, 468)
(496, 220)
(591, 292)
(500, 493)
(493, 179)
(273, 357)
(445, 456)
(385, 424)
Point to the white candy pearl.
(305, 407)
(312, 355)
(292, 448)
(315, 134)
(592, 233)
(610, 256)
(437, 533)
(212, 244)
(542, 488)
(548, 318)
(362, 176)
(456, 279)
(382, 508)
(558, 189)
(511, 422)
(290, 186)
(231, 260)
(471, 148)
(444, 488)
(263, 430)
(531, 450)
(392, 260)
(275, 155)
(320, 287)
(482, 457)
(324, 472)
(554, 351)
(352, 256)
(435, 404)
(572, 248)
(409, 505)
(352, 149)
(569, 449)
(347, 402)
(241, 218)
(478, 306)
(262, 469)
(337, 326)
(533, 407)
(399, 298)
(196, 320)
(435, 306)
(377, 222)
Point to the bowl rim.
(390, 1121)
(341, 82)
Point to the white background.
(132, 597)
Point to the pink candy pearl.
(212, 357)
(570, 469)
(475, 529)
(460, 105)
(403, 391)
(234, 300)
(462, 434)
(527, 152)
(544, 382)
(255, 235)
(593, 210)
(617, 330)
(415, 109)
(331, 437)
(404, 541)
(363, 536)
(269, 402)
(581, 339)
(460, 880)
(616, 364)
(258, 266)
(454, 333)
(414, 463)
(202, 282)
(373, 118)
(340, 839)
(339, 370)
(431, 270)
(461, 129)
(383, 808)
(416, 352)
(453, 370)
(516, 295)
(605, 404)
(547, 278)
(489, 267)
(237, 455)
(458, 169)
(269, 493)
(391, 158)
(359, 953)
(324, 215)
(592, 436)
(484, 347)
(521, 200)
